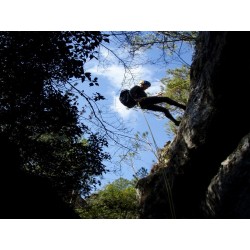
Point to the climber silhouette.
(149, 102)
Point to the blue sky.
(112, 77)
(132, 15)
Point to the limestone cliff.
(208, 168)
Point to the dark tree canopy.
(37, 112)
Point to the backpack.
(126, 99)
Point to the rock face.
(228, 192)
(207, 174)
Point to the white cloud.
(113, 73)
(122, 111)
(117, 76)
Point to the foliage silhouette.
(25, 196)
(38, 112)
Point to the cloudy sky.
(131, 15)
(112, 78)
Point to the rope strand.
(167, 184)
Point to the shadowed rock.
(213, 126)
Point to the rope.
(167, 184)
(156, 147)
(170, 197)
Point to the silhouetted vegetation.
(38, 108)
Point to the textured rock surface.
(214, 124)
(228, 193)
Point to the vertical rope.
(167, 184)
(156, 147)
(170, 197)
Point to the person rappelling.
(137, 96)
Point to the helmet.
(143, 82)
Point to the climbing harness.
(166, 181)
